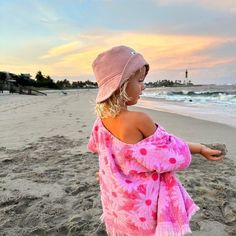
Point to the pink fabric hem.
(117, 230)
(162, 229)
(194, 208)
(167, 229)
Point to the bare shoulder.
(144, 123)
(130, 127)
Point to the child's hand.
(211, 154)
(97, 176)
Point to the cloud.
(229, 5)
(165, 53)
(63, 49)
(45, 13)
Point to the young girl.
(138, 159)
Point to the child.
(137, 158)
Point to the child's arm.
(208, 153)
(162, 153)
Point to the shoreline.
(188, 109)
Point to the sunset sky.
(62, 37)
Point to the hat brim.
(109, 87)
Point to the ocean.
(208, 102)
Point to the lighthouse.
(186, 74)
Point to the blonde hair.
(114, 104)
(117, 101)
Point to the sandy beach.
(47, 178)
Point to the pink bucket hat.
(113, 67)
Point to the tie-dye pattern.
(140, 193)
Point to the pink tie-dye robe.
(140, 193)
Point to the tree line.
(169, 83)
(42, 81)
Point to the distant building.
(7, 81)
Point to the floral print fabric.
(140, 193)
